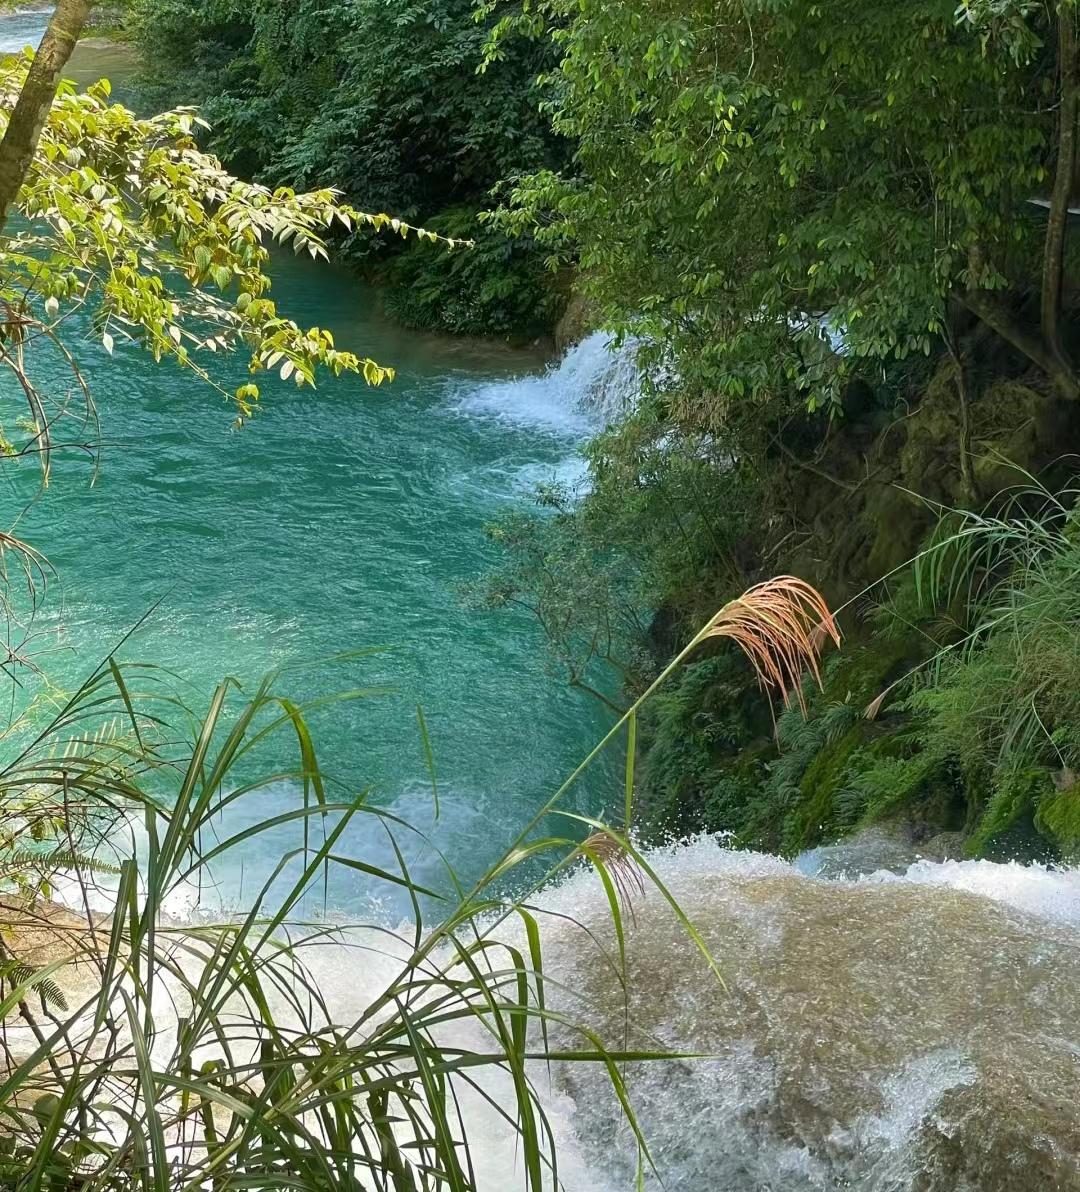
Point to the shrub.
(499, 287)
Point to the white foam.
(1049, 893)
(711, 1118)
(592, 385)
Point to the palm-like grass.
(1005, 568)
(206, 1056)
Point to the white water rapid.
(884, 1023)
(594, 383)
(905, 1030)
(885, 1032)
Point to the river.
(339, 520)
(886, 1024)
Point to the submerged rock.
(945, 846)
(873, 849)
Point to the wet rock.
(879, 848)
(945, 846)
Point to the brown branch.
(1053, 281)
(802, 465)
(610, 704)
(968, 490)
(986, 307)
(27, 121)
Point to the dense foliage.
(956, 717)
(842, 238)
(499, 287)
(756, 182)
(384, 101)
(170, 251)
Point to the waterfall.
(911, 1029)
(885, 1032)
(594, 384)
(606, 376)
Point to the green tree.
(757, 180)
(128, 219)
(383, 100)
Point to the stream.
(912, 1026)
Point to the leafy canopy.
(128, 219)
(758, 180)
(382, 98)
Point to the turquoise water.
(339, 520)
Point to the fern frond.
(16, 972)
(21, 859)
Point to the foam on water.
(1051, 894)
(911, 1032)
(23, 27)
(592, 385)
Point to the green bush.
(381, 99)
(698, 775)
(499, 287)
(625, 568)
(985, 736)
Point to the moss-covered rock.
(1058, 817)
(865, 492)
(578, 319)
(813, 817)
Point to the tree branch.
(1053, 281)
(999, 318)
(27, 121)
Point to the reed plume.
(782, 627)
(606, 851)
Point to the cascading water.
(883, 1033)
(595, 383)
(907, 1031)
(911, 1032)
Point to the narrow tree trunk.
(36, 98)
(968, 492)
(986, 306)
(1053, 286)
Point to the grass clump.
(141, 1052)
(980, 732)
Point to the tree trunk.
(1053, 286)
(968, 491)
(36, 98)
(987, 307)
